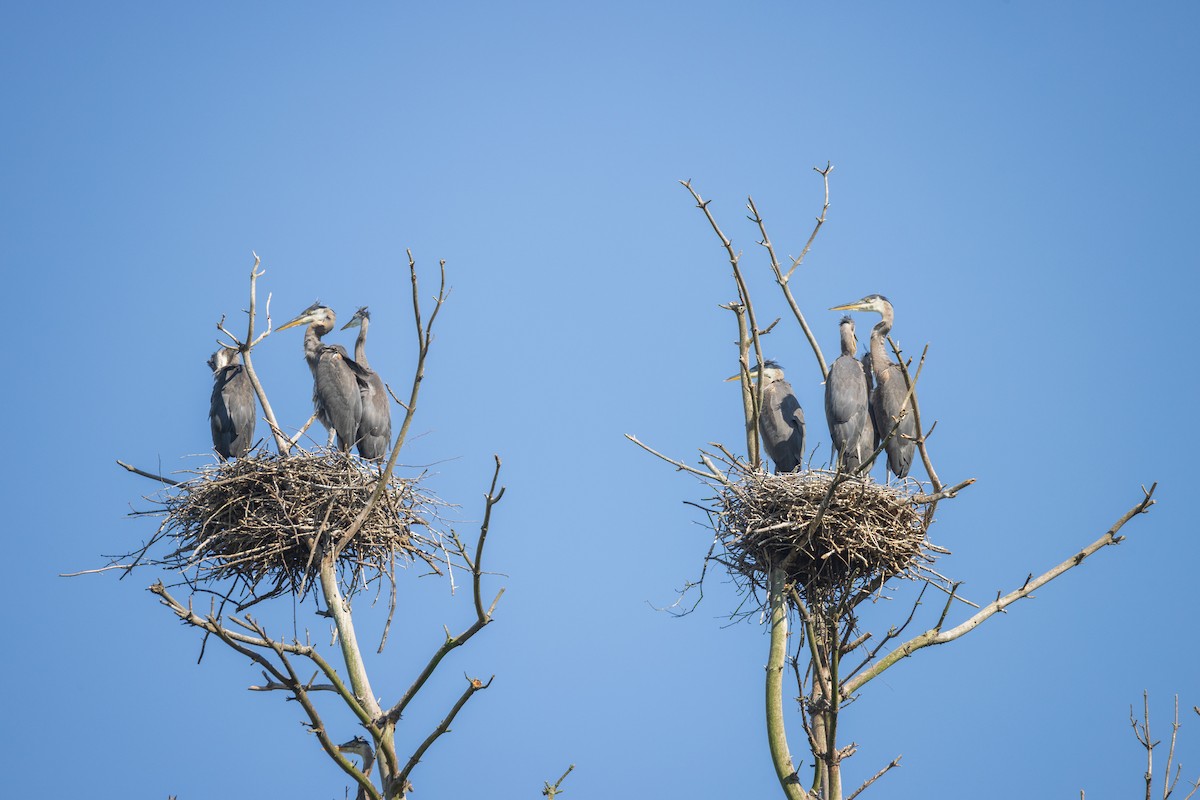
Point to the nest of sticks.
(831, 544)
(257, 527)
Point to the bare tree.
(1172, 771)
(295, 523)
(808, 548)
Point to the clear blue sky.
(1018, 177)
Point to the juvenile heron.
(888, 398)
(781, 419)
(233, 410)
(337, 391)
(847, 403)
(375, 425)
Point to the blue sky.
(1018, 177)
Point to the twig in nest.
(866, 532)
(260, 524)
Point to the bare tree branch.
(150, 475)
(281, 442)
(712, 475)
(783, 280)
(553, 791)
(482, 617)
(875, 777)
(424, 341)
(937, 636)
(473, 685)
(824, 173)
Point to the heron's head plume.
(849, 340)
(318, 315)
(872, 302)
(360, 316)
(225, 357)
(771, 371)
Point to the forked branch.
(245, 346)
(424, 341)
(784, 280)
(483, 617)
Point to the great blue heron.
(375, 425)
(781, 419)
(888, 398)
(337, 380)
(847, 409)
(232, 411)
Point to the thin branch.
(1168, 784)
(318, 728)
(145, 474)
(943, 493)
(743, 299)
(424, 340)
(712, 475)
(875, 777)
(553, 791)
(782, 279)
(751, 394)
(260, 640)
(292, 442)
(473, 685)
(281, 442)
(935, 637)
(1143, 736)
(824, 173)
(490, 500)
(482, 617)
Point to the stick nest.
(262, 523)
(866, 534)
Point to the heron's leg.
(332, 434)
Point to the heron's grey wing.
(890, 396)
(794, 414)
(782, 425)
(243, 410)
(774, 430)
(847, 411)
(375, 429)
(218, 417)
(375, 424)
(337, 395)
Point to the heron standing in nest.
(889, 400)
(232, 410)
(337, 380)
(847, 409)
(781, 419)
(375, 424)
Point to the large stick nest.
(830, 544)
(257, 527)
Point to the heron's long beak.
(855, 306)
(738, 377)
(300, 320)
(353, 323)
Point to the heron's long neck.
(879, 359)
(312, 346)
(849, 341)
(360, 345)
